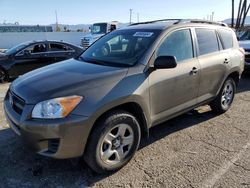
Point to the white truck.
(97, 31)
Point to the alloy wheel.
(116, 144)
(227, 95)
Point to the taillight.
(242, 52)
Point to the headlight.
(56, 108)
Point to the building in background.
(25, 28)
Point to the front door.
(29, 59)
(176, 89)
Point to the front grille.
(16, 102)
(85, 43)
(53, 145)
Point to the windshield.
(245, 36)
(15, 49)
(120, 48)
(99, 28)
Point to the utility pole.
(232, 21)
(130, 15)
(138, 17)
(57, 26)
(212, 19)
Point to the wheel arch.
(131, 107)
(235, 76)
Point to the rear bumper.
(59, 138)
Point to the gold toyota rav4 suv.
(98, 105)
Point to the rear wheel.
(3, 76)
(113, 142)
(225, 98)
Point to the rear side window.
(59, 47)
(178, 44)
(226, 38)
(207, 41)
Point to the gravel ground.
(198, 149)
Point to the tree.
(243, 10)
(232, 21)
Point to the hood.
(93, 36)
(71, 77)
(245, 44)
(3, 57)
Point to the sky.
(90, 11)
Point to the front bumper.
(58, 138)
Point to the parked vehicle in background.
(97, 30)
(32, 55)
(244, 42)
(99, 105)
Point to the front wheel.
(113, 142)
(225, 98)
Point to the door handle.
(226, 61)
(194, 71)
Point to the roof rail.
(203, 21)
(177, 21)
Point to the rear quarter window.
(226, 37)
(207, 41)
(59, 47)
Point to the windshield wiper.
(105, 63)
(94, 61)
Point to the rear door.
(176, 89)
(60, 52)
(230, 46)
(214, 62)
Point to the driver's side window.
(178, 44)
(32, 49)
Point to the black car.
(32, 55)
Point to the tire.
(3, 76)
(113, 142)
(225, 98)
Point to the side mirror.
(165, 62)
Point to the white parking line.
(210, 182)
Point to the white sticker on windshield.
(143, 34)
